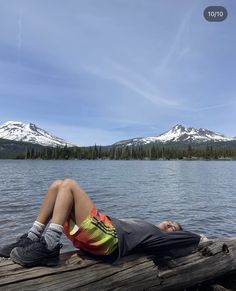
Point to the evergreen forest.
(130, 153)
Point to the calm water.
(201, 195)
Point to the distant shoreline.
(145, 159)
(120, 153)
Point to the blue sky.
(99, 71)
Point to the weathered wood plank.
(78, 271)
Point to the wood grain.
(77, 271)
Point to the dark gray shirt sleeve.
(136, 235)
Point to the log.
(78, 271)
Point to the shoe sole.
(6, 253)
(49, 262)
(2, 255)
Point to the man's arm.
(174, 244)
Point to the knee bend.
(68, 183)
(56, 184)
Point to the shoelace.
(37, 245)
(23, 239)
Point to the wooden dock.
(77, 271)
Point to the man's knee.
(69, 183)
(56, 184)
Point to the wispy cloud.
(175, 45)
(19, 36)
(131, 80)
(214, 106)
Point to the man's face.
(168, 226)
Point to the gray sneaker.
(36, 254)
(23, 241)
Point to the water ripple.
(201, 196)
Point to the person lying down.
(70, 210)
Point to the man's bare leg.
(45, 212)
(47, 206)
(71, 197)
(61, 198)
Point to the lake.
(200, 195)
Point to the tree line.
(131, 153)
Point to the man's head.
(169, 226)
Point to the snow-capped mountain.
(18, 131)
(179, 134)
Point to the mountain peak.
(32, 126)
(180, 134)
(29, 132)
(178, 126)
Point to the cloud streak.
(132, 80)
(19, 36)
(215, 106)
(175, 44)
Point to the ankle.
(53, 235)
(36, 231)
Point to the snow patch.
(179, 133)
(18, 131)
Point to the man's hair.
(179, 226)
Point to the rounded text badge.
(215, 13)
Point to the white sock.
(36, 231)
(53, 235)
